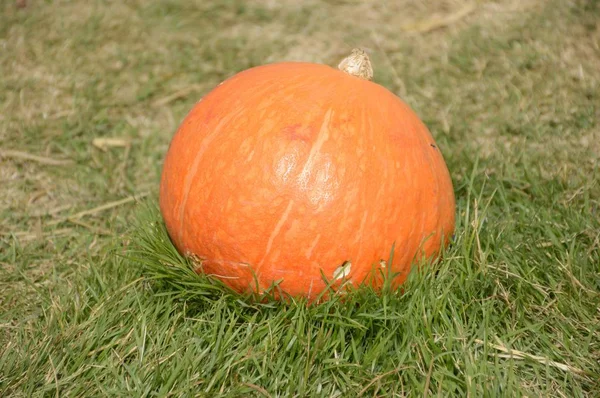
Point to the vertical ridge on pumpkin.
(189, 178)
(312, 245)
(275, 233)
(322, 136)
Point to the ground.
(95, 301)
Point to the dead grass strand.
(19, 155)
(440, 21)
(516, 354)
(98, 209)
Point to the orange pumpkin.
(300, 174)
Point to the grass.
(95, 301)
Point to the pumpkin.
(301, 175)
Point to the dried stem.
(357, 64)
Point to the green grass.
(103, 305)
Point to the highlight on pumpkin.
(289, 174)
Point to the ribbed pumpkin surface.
(285, 172)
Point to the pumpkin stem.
(357, 64)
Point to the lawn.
(95, 301)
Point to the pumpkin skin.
(285, 172)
